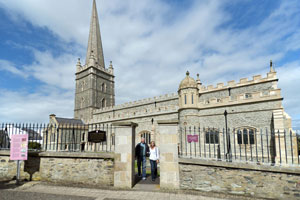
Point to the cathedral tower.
(94, 83)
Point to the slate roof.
(70, 121)
(32, 134)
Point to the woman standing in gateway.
(154, 159)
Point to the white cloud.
(58, 71)
(289, 81)
(10, 67)
(151, 50)
(35, 107)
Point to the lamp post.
(228, 154)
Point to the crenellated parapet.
(271, 76)
(138, 103)
(250, 97)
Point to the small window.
(248, 95)
(185, 99)
(192, 98)
(212, 136)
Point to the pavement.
(35, 190)
(146, 185)
(43, 191)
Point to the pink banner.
(192, 138)
(18, 147)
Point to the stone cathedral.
(250, 104)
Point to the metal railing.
(62, 137)
(240, 145)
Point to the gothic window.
(103, 103)
(103, 87)
(246, 136)
(212, 136)
(147, 136)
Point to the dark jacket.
(138, 150)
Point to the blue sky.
(221, 40)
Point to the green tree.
(34, 145)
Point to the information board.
(97, 136)
(19, 147)
(192, 138)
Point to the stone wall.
(235, 91)
(77, 168)
(29, 169)
(240, 179)
(62, 167)
(152, 107)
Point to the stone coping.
(125, 124)
(92, 155)
(30, 153)
(77, 154)
(245, 166)
(172, 121)
(117, 120)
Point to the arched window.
(246, 136)
(103, 87)
(212, 136)
(147, 136)
(185, 99)
(103, 103)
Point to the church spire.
(95, 43)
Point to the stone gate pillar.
(169, 169)
(124, 170)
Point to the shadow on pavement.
(138, 180)
(10, 184)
